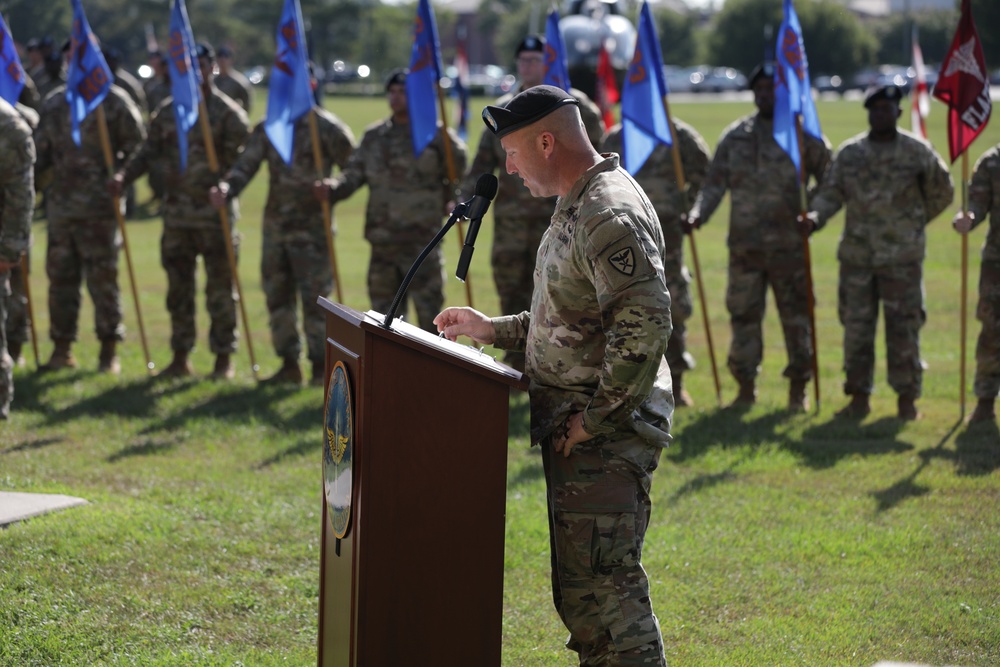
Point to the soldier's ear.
(546, 143)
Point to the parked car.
(722, 80)
(828, 84)
(341, 71)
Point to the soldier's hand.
(570, 434)
(321, 190)
(807, 223)
(455, 322)
(963, 221)
(219, 194)
(689, 223)
(115, 185)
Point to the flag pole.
(330, 248)
(449, 159)
(213, 165)
(31, 310)
(807, 255)
(681, 185)
(965, 284)
(109, 161)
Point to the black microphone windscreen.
(487, 186)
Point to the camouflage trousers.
(678, 280)
(18, 319)
(6, 363)
(599, 506)
(389, 264)
(84, 250)
(179, 252)
(750, 272)
(987, 383)
(901, 292)
(295, 268)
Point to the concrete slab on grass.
(20, 506)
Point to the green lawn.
(775, 539)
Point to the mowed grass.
(775, 539)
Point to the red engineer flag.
(921, 99)
(964, 86)
(607, 88)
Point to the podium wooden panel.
(418, 577)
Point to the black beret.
(877, 92)
(531, 43)
(47, 42)
(204, 50)
(525, 108)
(396, 76)
(763, 70)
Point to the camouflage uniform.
(17, 203)
(984, 199)
(191, 227)
(520, 220)
(18, 319)
(658, 180)
(892, 190)
(237, 87)
(765, 245)
(295, 259)
(594, 341)
(406, 202)
(84, 239)
(131, 85)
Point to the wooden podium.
(414, 494)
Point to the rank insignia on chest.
(623, 261)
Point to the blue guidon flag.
(792, 88)
(644, 118)
(422, 81)
(11, 70)
(290, 92)
(89, 78)
(556, 72)
(185, 76)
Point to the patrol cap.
(763, 70)
(225, 52)
(531, 43)
(875, 93)
(525, 108)
(396, 76)
(204, 50)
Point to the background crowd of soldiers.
(890, 183)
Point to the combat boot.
(906, 408)
(289, 373)
(858, 408)
(318, 374)
(14, 350)
(984, 411)
(223, 368)
(62, 357)
(747, 395)
(797, 399)
(180, 366)
(682, 399)
(108, 361)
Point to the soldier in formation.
(83, 235)
(520, 219)
(408, 197)
(18, 317)
(892, 185)
(601, 405)
(765, 244)
(659, 181)
(191, 225)
(295, 262)
(232, 82)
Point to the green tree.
(677, 36)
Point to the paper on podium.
(472, 354)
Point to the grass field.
(775, 539)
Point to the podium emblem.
(338, 451)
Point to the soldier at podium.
(600, 391)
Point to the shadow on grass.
(136, 398)
(977, 449)
(304, 446)
(32, 444)
(908, 487)
(519, 416)
(148, 447)
(823, 445)
(724, 428)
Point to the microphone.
(486, 190)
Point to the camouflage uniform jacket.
(157, 91)
(17, 184)
(984, 199)
(237, 87)
(131, 85)
(185, 197)
(290, 202)
(407, 195)
(514, 203)
(891, 190)
(600, 313)
(658, 180)
(763, 185)
(80, 173)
